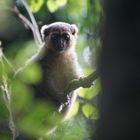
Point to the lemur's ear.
(74, 29)
(44, 31)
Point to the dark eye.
(66, 36)
(53, 36)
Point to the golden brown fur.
(59, 67)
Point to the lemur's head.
(59, 36)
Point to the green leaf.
(90, 111)
(61, 2)
(90, 93)
(53, 5)
(35, 5)
(26, 51)
(3, 109)
(32, 122)
(74, 129)
(5, 70)
(74, 110)
(38, 120)
(21, 96)
(31, 74)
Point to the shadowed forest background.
(108, 41)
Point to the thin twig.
(37, 37)
(33, 22)
(2, 56)
(30, 61)
(6, 92)
(30, 25)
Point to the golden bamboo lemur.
(59, 62)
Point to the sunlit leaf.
(90, 111)
(73, 129)
(53, 5)
(21, 96)
(5, 69)
(35, 5)
(93, 91)
(38, 120)
(74, 110)
(90, 93)
(61, 2)
(26, 51)
(31, 74)
(30, 116)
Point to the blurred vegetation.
(19, 112)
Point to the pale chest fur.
(62, 70)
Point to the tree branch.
(37, 37)
(34, 23)
(85, 82)
(29, 24)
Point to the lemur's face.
(60, 41)
(59, 36)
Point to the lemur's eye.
(66, 36)
(54, 36)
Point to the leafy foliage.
(92, 92)
(54, 5)
(35, 5)
(17, 104)
(90, 111)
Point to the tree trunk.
(120, 71)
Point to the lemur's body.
(59, 62)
